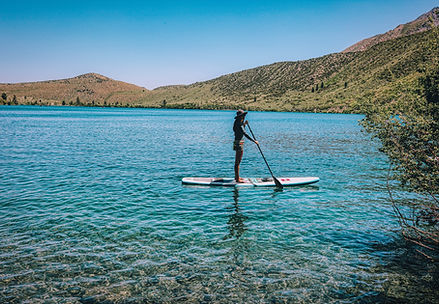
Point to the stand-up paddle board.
(255, 182)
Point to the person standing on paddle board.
(238, 144)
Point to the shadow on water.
(399, 259)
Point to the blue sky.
(155, 43)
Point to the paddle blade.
(277, 182)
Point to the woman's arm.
(246, 135)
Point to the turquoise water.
(92, 210)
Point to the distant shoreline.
(175, 108)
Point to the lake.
(92, 210)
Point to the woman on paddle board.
(238, 144)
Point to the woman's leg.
(238, 158)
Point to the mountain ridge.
(338, 82)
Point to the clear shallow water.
(92, 210)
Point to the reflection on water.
(236, 222)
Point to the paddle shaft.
(276, 181)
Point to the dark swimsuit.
(238, 128)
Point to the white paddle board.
(255, 182)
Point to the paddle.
(276, 181)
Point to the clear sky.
(155, 43)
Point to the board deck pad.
(254, 182)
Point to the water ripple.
(92, 210)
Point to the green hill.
(339, 82)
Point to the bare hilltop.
(89, 88)
(423, 23)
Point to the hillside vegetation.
(339, 82)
